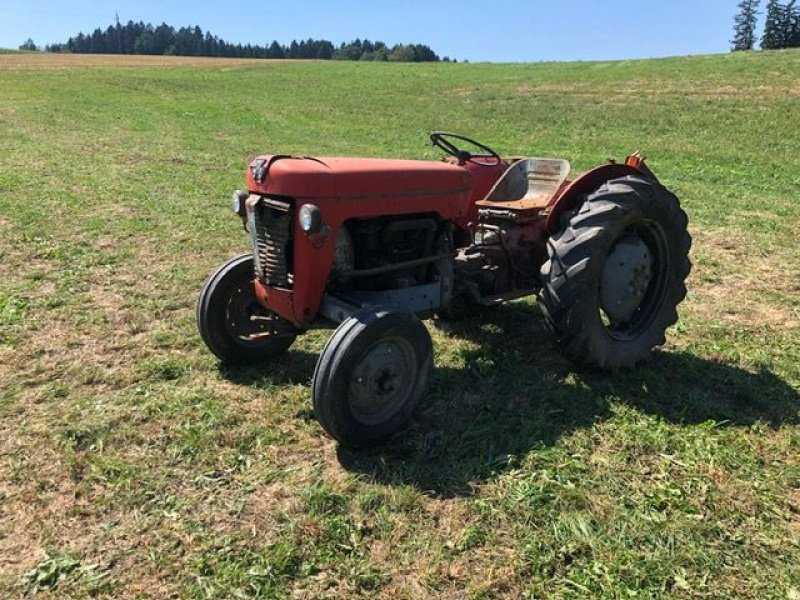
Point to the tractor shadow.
(516, 393)
(295, 367)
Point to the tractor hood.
(311, 177)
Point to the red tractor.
(371, 246)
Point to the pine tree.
(744, 29)
(774, 35)
(275, 50)
(29, 45)
(791, 26)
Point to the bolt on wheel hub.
(381, 381)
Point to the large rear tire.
(371, 375)
(231, 321)
(616, 273)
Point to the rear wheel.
(616, 273)
(371, 375)
(231, 321)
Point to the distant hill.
(144, 38)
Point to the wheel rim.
(633, 280)
(382, 381)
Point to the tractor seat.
(528, 184)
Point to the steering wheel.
(441, 139)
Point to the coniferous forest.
(141, 38)
(781, 25)
(781, 29)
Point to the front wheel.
(371, 375)
(231, 321)
(616, 273)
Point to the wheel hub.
(626, 276)
(238, 314)
(248, 321)
(381, 381)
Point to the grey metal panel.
(415, 299)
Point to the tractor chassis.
(370, 247)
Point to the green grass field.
(132, 466)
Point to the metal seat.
(528, 184)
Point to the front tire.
(231, 321)
(371, 376)
(616, 273)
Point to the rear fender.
(572, 194)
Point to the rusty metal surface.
(269, 222)
(399, 266)
(528, 184)
(571, 194)
(370, 179)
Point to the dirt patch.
(111, 302)
(66, 355)
(22, 62)
(36, 523)
(260, 517)
(20, 547)
(549, 88)
(735, 493)
(794, 513)
(731, 282)
(649, 88)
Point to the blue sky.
(534, 30)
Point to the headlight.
(237, 200)
(310, 218)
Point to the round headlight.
(237, 200)
(310, 218)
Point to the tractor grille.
(270, 224)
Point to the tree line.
(781, 26)
(141, 38)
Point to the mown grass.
(133, 466)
